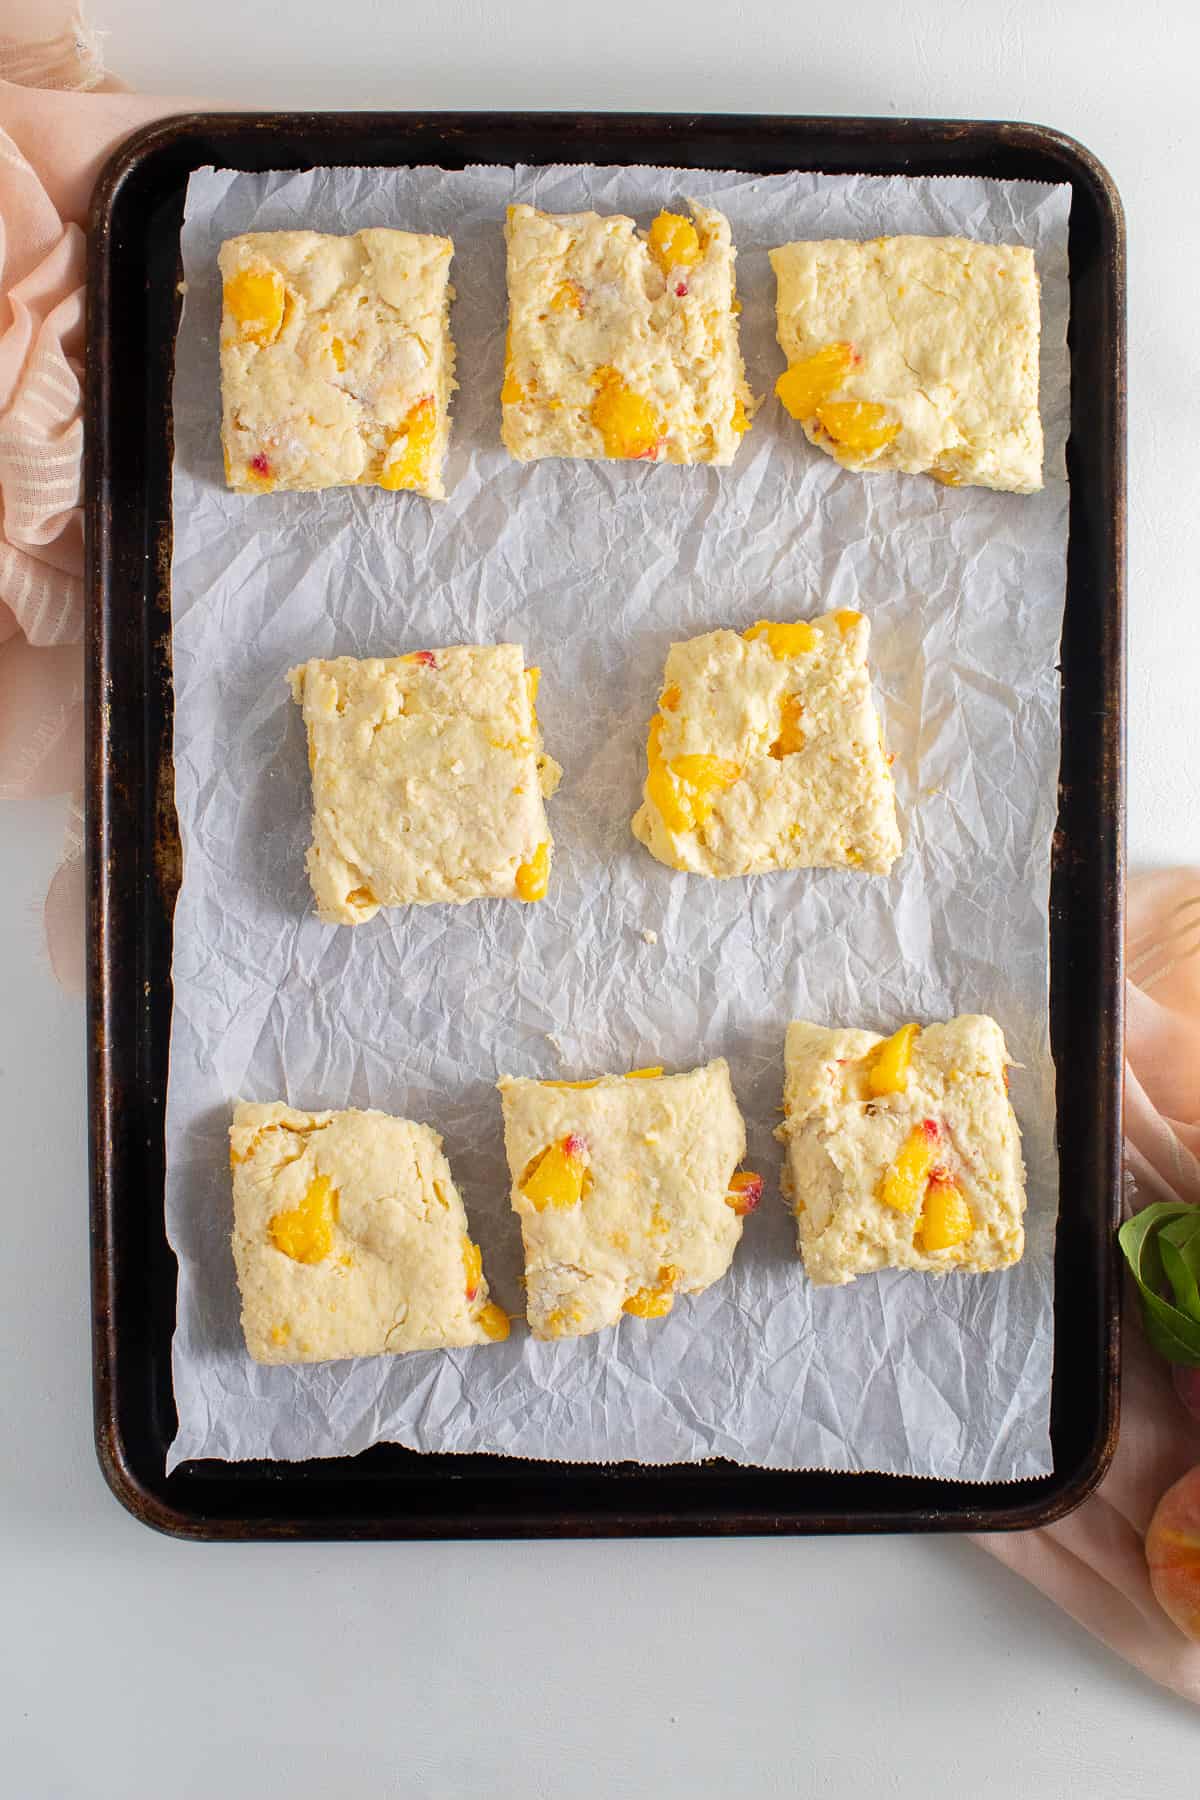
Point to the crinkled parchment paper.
(595, 569)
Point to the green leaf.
(1185, 1235)
(1167, 1331)
(1178, 1245)
(1183, 1282)
(1135, 1233)
(1161, 1244)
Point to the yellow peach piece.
(305, 1233)
(472, 1258)
(555, 1177)
(495, 1322)
(740, 422)
(625, 420)
(654, 1302)
(847, 619)
(670, 697)
(254, 298)
(783, 640)
(662, 791)
(804, 385)
(645, 1074)
(685, 790)
(512, 393)
(414, 440)
(888, 1073)
(533, 877)
(904, 1182)
(674, 242)
(791, 735)
(945, 1217)
(699, 779)
(859, 427)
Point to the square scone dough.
(623, 344)
(915, 353)
(902, 1152)
(766, 753)
(350, 1238)
(336, 360)
(428, 779)
(626, 1192)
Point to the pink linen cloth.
(1093, 1562)
(59, 119)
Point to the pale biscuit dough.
(654, 1217)
(797, 776)
(386, 1263)
(841, 1140)
(592, 308)
(428, 779)
(944, 337)
(336, 360)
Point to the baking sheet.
(595, 570)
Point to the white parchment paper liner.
(595, 569)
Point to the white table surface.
(133, 1666)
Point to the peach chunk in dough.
(625, 420)
(305, 1232)
(674, 242)
(945, 1220)
(903, 1183)
(857, 427)
(254, 299)
(654, 1302)
(890, 1061)
(533, 877)
(556, 1175)
(414, 441)
(804, 385)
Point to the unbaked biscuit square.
(623, 344)
(428, 779)
(915, 353)
(350, 1238)
(766, 753)
(336, 360)
(626, 1192)
(902, 1152)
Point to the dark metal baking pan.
(134, 857)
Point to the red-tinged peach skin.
(1173, 1554)
(745, 1192)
